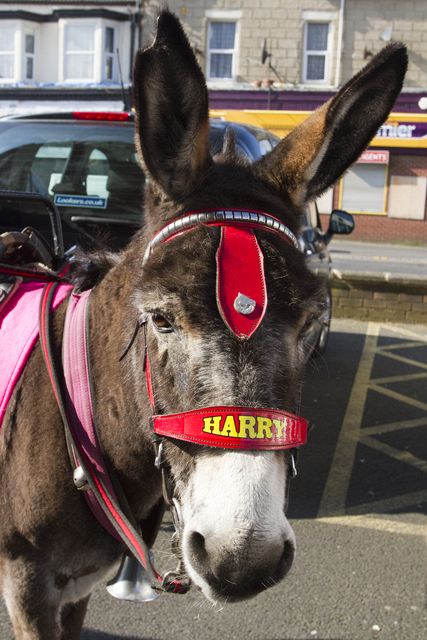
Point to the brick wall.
(379, 301)
(382, 229)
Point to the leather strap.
(104, 496)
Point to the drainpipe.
(135, 34)
(340, 36)
(132, 45)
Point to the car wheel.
(322, 340)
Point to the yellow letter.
(246, 427)
(212, 425)
(229, 428)
(280, 428)
(264, 428)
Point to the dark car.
(86, 162)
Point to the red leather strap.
(240, 275)
(234, 428)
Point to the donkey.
(235, 539)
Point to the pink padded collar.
(19, 332)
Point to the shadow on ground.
(90, 634)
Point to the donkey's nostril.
(287, 558)
(198, 542)
(198, 548)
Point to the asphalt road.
(357, 508)
(362, 257)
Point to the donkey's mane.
(89, 268)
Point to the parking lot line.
(378, 524)
(354, 433)
(336, 487)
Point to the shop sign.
(403, 130)
(374, 157)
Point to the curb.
(379, 297)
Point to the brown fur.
(48, 536)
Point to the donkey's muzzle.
(239, 574)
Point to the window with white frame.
(109, 36)
(79, 52)
(7, 53)
(316, 50)
(221, 58)
(29, 48)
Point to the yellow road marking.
(401, 345)
(395, 356)
(399, 396)
(336, 488)
(397, 454)
(335, 492)
(405, 501)
(403, 331)
(377, 524)
(395, 426)
(408, 376)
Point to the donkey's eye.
(307, 325)
(161, 323)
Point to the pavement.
(388, 261)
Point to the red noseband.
(234, 428)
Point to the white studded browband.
(221, 217)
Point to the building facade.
(293, 44)
(268, 56)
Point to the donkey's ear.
(171, 102)
(318, 151)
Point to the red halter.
(242, 302)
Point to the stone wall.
(281, 22)
(373, 298)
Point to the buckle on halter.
(175, 582)
(158, 448)
(292, 464)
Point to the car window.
(48, 165)
(84, 168)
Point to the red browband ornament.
(234, 428)
(241, 290)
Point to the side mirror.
(340, 222)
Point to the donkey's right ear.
(171, 102)
(318, 151)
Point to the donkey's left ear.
(317, 152)
(171, 102)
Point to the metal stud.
(244, 305)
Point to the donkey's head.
(205, 351)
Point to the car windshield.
(80, 165)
